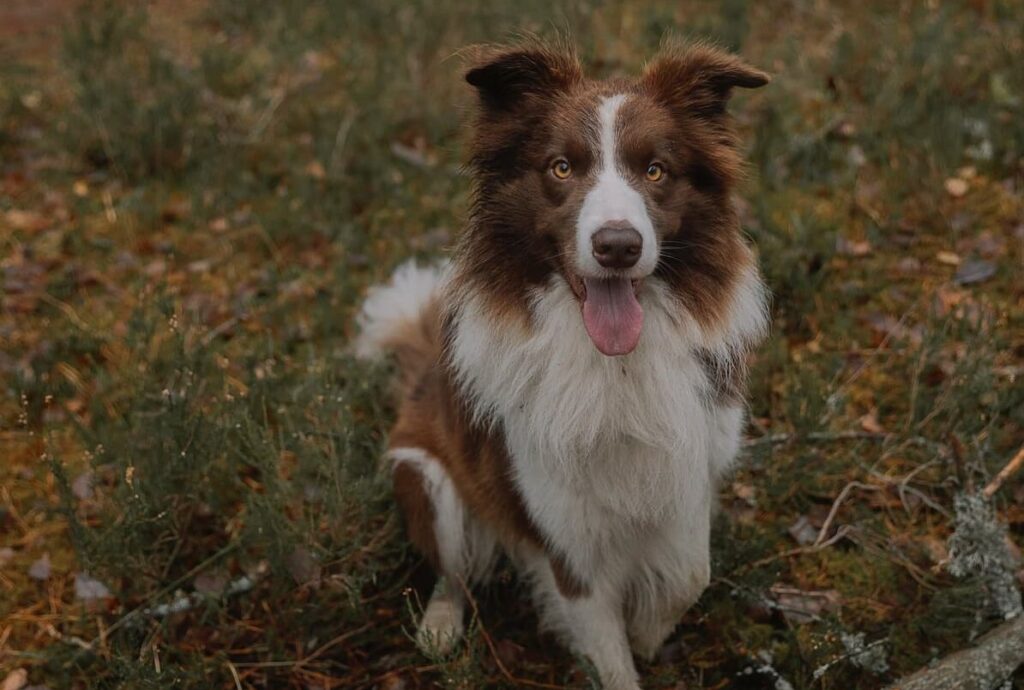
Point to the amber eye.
(561, 169)
(655, 172)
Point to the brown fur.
(417, 511)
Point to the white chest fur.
(603, 449)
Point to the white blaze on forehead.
(612, 199)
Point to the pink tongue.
(612, 315)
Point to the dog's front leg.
(590, 620)
(597, 631)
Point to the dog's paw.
(441, 628)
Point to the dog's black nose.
(617, 245)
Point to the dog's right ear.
(699, 79)
(506, 77)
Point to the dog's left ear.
(700, 79)
(507, 76)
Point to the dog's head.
(605, 183)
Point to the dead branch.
(827, 525)
(1011, 467)
(982, 667)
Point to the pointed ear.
(699, 79)
(506, 75)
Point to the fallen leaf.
(946, 298)
(29, 221)
(90, 589)
(211, 582)
(804, 606)
(909, 264)
(40, 570)
(990, 245)
(413, 156)
(891, 327)
(316, 170)
(948, 258)
(6, 554)
(974, 271)
(746, 493)
(968, 172)
(802, 531)
(869, 422)
(936, 548)
(853, 247)
(509, 652)
(82, 486)
(844, 130)
(176, 208)
(303, 566)
(956, 187)
(393, 681)
(856, 156)
(15, 680)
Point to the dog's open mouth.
(612, 314)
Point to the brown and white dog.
(571, 383)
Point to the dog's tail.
(403, 318)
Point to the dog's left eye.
(561, 169)
(655, 171)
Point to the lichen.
(870, 657)
(977, 548)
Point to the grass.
(193, 199)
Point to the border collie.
(571, 383)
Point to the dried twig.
(853, 435)
(234, 675)
(1011, 468)
(305, 661)
(776, 439)
(835, 508)
(840, 534)
(519, 682)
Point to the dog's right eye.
(561, 169)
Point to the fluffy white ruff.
(388, 307)
(569, 401)
(605, 449)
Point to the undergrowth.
(194, 199)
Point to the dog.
(571, 384)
